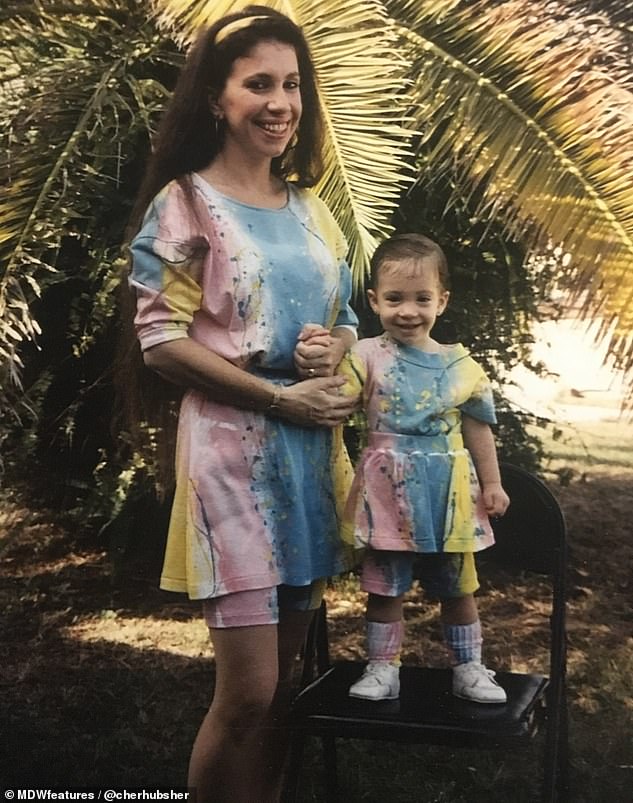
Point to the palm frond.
(362, 79)
(515, 100)
(73, 105)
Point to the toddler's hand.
(495, 499)
(317, 352)
(314, 334)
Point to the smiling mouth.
(275, 128)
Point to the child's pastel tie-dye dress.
(257, 498)
(415, 487)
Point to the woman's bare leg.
(226, 761)
(241, 747)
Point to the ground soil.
(103, 678)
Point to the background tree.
(512, 118)
(81, 86)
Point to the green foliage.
(80, 101)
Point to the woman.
(242, 291)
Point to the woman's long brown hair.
(187, 141)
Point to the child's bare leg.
(380, 680)
(459, 610)
(384, 609)
(385, 576)
(385, 628)
(462, 628)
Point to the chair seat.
(426, 709)
(531, 534)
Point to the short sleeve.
(325, 226)
(480, 403)
(346, 315)
(167, 257)
(353, 368)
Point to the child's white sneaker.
(472, 681)
(379, 681)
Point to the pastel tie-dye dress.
(415, 487)
(257, 499)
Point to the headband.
(237, 25)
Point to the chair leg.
(331, 769)
(293, 771)
(555, 776)
(563, 789)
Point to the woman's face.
(261, 101)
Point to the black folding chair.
(529, 538)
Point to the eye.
(257, 84)
(292, 85)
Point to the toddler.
(428, 478)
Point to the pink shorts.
(261, 606)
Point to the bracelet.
(273, 405)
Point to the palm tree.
(532, 116)
(529, 102)
(80, 84)
(521, 107)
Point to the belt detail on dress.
(416, 443)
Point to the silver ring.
(311, 372)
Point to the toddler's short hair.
(411, 246)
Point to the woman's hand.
(316, 402)
(317, 352)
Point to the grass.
(105, 684)
(582, 446)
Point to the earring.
(216, 125)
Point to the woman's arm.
(314, 402)
(479, 441)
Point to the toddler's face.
(408, 299)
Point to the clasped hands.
(317, 400)
(317, 352)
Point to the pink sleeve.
(167, 257)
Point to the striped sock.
(464, 641)
(384, 641)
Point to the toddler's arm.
(479, 441)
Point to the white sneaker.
(472, 681)
(379, 681)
